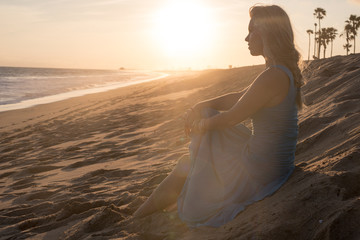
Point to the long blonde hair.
(275, 29)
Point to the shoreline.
(71, 94)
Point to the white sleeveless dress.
(234, 167)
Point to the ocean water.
(25, 87)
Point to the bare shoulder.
(273, 79)
(273, 76)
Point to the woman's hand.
(199, 126)
(189, 117)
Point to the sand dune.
(77, 169)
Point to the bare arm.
(224, 102)
(267, 86)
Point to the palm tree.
(347, 46)
(325, 39)
(315, 41)
(354, 22)
(319, 14)
(332, 35)
(309, 31)
(347, 33)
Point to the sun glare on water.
(183, 28)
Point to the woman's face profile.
(254, 40)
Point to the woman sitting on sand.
(231, 167)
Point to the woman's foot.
(168, 190)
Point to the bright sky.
(156, 34)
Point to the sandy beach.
(78, 168)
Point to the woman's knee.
(209, 112)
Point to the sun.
(183, 28)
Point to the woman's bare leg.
(168, 190)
